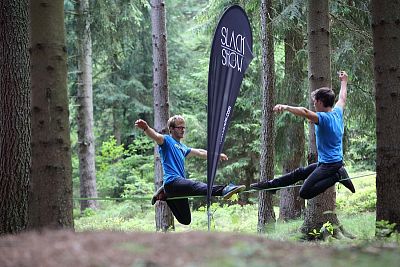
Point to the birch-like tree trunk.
(15, 126)
(84, 100)
(386, 39)
(50, 203)
(266, 215)
(164, 217)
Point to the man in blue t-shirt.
(173, 154)
(329, 130)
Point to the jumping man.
(329, 128)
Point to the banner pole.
(209, 217)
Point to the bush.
(364, 200)
(124, 172)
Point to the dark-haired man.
(329, 128)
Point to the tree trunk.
(386, 32)
(249, 172)
(51, 190)
(164, 217)
(86, 141)
(266, 215)
(291, 205)
(321, 208)
(15, 126)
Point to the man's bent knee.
(306, 194)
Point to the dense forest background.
(122, 87)
(76, 75)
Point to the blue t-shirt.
(173, 154)
(329, 134)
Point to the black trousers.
(183, 187)
(317, 178)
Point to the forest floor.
(134, 249)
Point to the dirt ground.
(67, 248)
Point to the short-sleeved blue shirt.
(329, 134)
(173, 154)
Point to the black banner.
(231, 54)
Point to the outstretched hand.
(343, 77)
(142, 124)
(280, 108)
(222, 157)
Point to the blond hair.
(172, 121)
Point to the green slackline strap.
(183, 197)
(113, 198)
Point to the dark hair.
(325, 95)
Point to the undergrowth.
(355, 212)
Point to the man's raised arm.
(150, 132)
(343, 89)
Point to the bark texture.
(321, 208)
(86, 140)
(50, 203)
(386, 39)
(291, 205)
(164, 217)
(266, 215)
(15, 127)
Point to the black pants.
(184, 187)
(317, 178)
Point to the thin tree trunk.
(164, 217)
(15, 126)
(249, 172)
(51, 191)
(266, 215)
(86, 140)
(321, 208)
(291, 205)
(386, 32)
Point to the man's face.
(178, 131)
(318, 105)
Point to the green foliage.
(139, 216)
(122, 76)
(326, 229)
(125, 216)
(315, 234)
(385, 229)
(88, 212)
(363, 200)
(123, 172)
(362, 150)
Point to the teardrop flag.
(231, 54)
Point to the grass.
(355, 211)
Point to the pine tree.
(266, 215)
(50, 203)
(84, 100)
(164, 218)
(15, 128)
(386, 34)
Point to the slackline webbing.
(182, 197)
